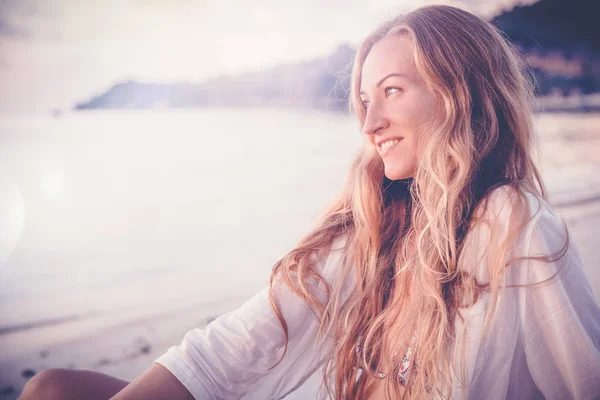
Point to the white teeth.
(386, 145)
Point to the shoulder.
(506, 200)
(515, 213)
(509, 223)
(329, 269)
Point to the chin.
(398, 175)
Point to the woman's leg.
(68, 384)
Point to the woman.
(439, 272)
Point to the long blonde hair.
(404, 238)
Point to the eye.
(390, 90)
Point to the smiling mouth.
(386, 146)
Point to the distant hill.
(320, 83)
(560, 39)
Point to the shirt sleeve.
(230, 359)
(560, 319)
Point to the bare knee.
(67, 384)
(44, 385)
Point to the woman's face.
(397, 104)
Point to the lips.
(386, 145)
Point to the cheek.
(423, 117)
(424, 110)
(412, 122)
(416, 134)
(413, 149)
(414, 112)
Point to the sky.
(54, 53)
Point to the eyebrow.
(397, 74)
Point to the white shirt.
(543, 342)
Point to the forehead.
(390, 55)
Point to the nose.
(375, 121)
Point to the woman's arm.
(156, 383)
(233, 357)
